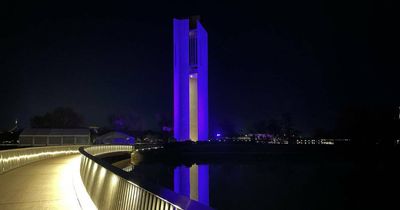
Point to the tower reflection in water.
(192, 182)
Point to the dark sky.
(306, 58)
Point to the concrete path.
(46, 184)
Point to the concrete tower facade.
(190, 80)
(191, 102)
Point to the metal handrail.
(112, 188)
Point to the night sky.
(306, 58)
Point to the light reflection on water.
(272, 184)
(192, 182)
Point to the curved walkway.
(48, 184)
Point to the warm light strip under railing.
(14, 158)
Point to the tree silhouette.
(61, 117)
(368, 126)
(260, 126)
(125, 122)
(274, 127)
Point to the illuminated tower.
(190, 80)
(191, 102)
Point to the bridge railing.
(112, 188)
(14, 158)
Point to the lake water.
(279, 183)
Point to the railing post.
(1, 163)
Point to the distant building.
(264, 138)
(41, 137)
(323, 141)
(243, 138)
(260, 136)
(115, 137)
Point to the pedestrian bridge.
(72, 177)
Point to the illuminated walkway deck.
(46, 184)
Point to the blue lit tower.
(190, 80)
(191, 102)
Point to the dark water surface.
(292, 183)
